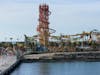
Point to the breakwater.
(54, 57)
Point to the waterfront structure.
(44, 39)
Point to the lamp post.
(11, 41)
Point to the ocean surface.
(58, 68)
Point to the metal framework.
(43, 27)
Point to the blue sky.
(19, 17)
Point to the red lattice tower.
(43, 27)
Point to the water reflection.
(44, 69)
(59, 68)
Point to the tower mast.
(43, 27)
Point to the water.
(58, 68)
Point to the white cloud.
(75, 18)
(17, 18)
(22, 17)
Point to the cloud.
(16, 18)
(74, 18)
(69, 17)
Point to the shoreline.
(19, 62)
(53, 57)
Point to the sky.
(19, 17)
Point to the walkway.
(6, 62)
(50, 55)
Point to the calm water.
(58, 68)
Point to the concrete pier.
(65, 55)
(6, 62)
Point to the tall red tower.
(43, 27)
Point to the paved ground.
(6, 62)
(37, 56)
(49, 55)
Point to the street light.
(11, 39)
